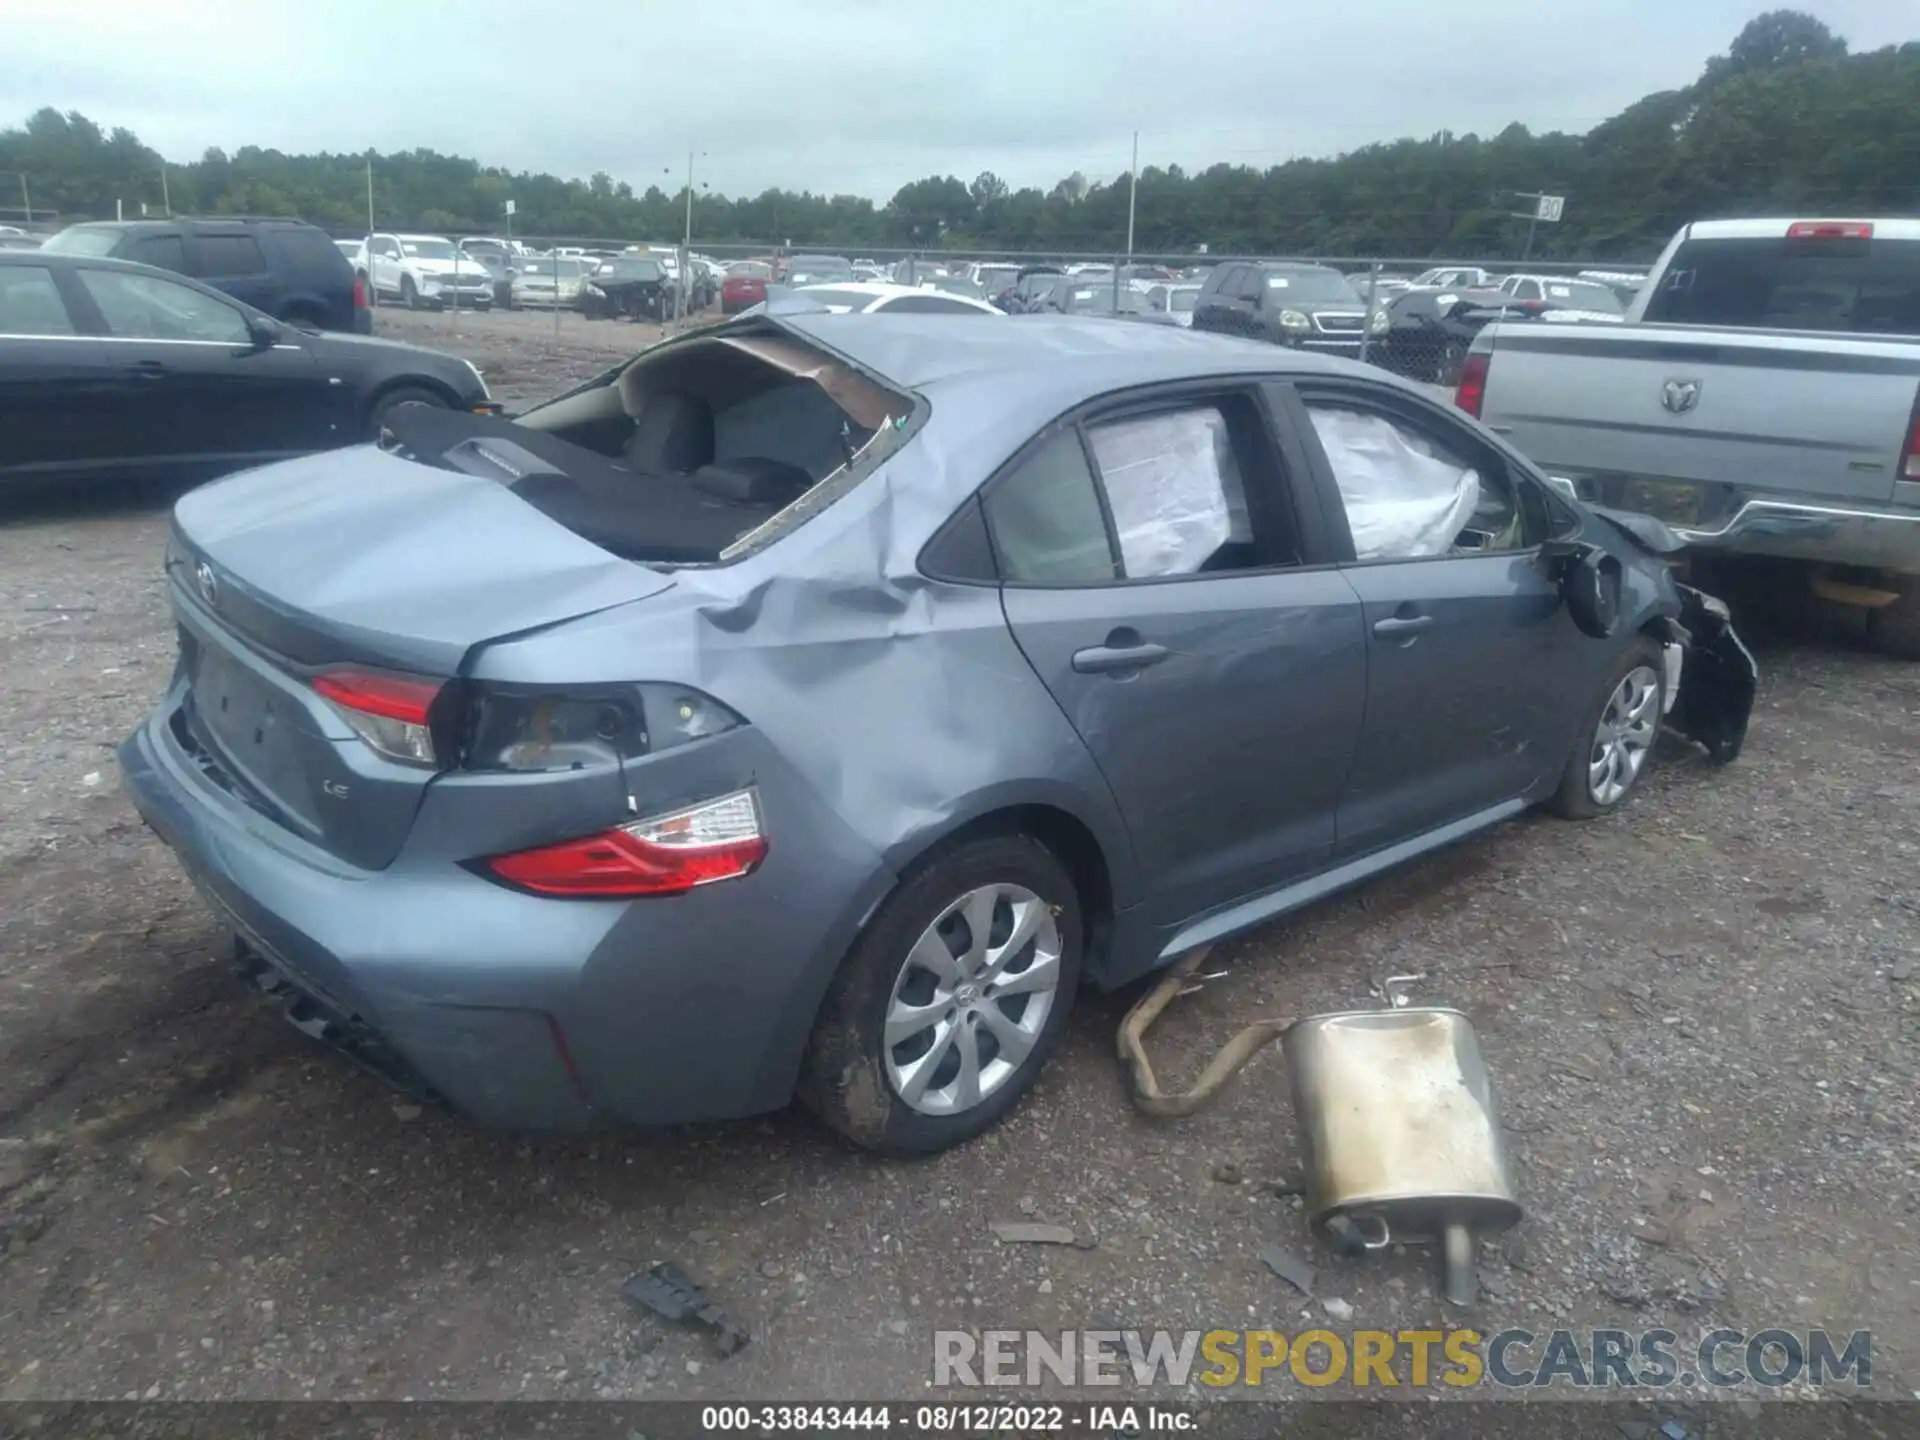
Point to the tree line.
(1787, 120)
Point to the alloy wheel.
(1624, 735)
(971, 999)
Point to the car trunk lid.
(361, 564)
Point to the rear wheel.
(1895, 629)
(950, 1001)
(1616, 736)
(401, 395)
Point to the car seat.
(672, 435)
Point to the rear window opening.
(1841, 283)
(694, 453)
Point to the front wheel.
(1616, 735)
(409, 293)
(393, 399)
(950, 1001)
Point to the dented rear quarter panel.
(885, 711)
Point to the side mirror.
(264, 333)
(1590, 582)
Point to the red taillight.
(1471, 392)
(1910, 457)
(359, 293)
(1830, 230)
(389, 712)
(664, 855)
(393, 697)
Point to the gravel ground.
(1700, 1015)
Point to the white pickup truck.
(1763, 398)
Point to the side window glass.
(1174, 486)
(30, 303)
(165, 251)
(231, 255)
(146, 307)
(1410, 495)
(1046, 521)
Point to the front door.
(200, 396)
(1153, 579)
(1471, 653)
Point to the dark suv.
(1307, 307)
(288, 268)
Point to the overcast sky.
(860, 96)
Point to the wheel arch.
(1099, 864)
(406, 382)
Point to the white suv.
(426, 270)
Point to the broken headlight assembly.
(527, 728)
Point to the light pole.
(26, 201)
(1133, 187)
(686, 244)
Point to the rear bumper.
(361, 948)
(525, 1012)
(1842, 535)
(1732, 521)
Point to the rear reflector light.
(1910, 457)
(1471, 392)
(1830, 230)
(389, 712)
(359, 293)
(661, 855)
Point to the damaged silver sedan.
(817, 703)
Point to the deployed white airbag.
(1174, 487)
(1403, 500)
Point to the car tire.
(389, 401)
(1895, 629)
(1583, 792)
(857, 1084)
(409, 294)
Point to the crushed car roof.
(1059, 360)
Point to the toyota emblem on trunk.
(1680, 396)
(209, 586)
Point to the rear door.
(1475, 672)
(197, 394)
(1164, 585)
(55, 389)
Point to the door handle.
(147, 370)
(1395, 626)
(1106, 659)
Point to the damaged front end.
(1711, 675)
(1718, 676)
